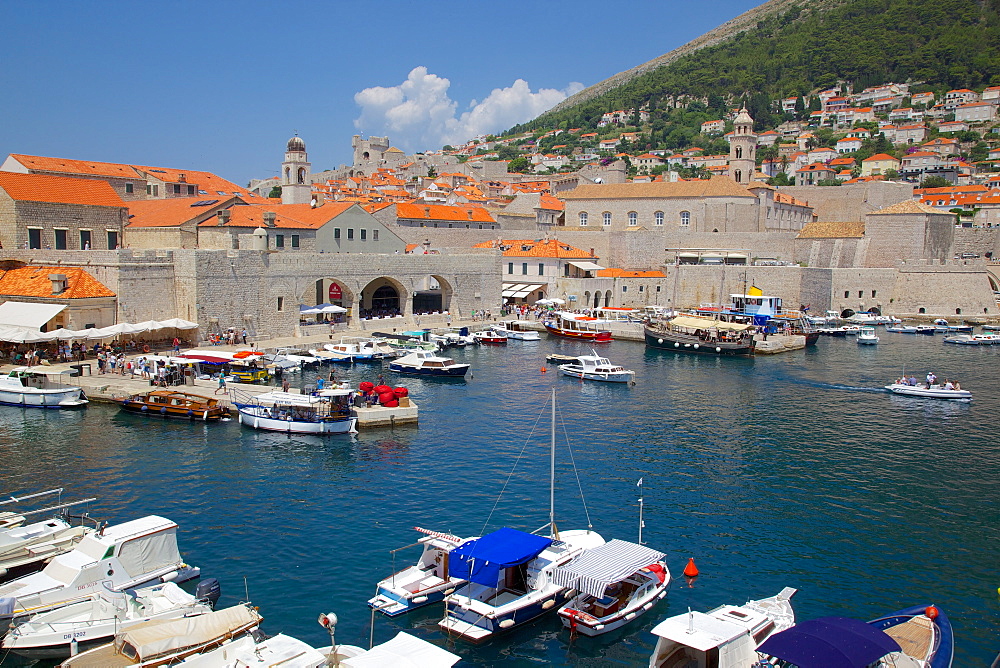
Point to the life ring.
(145, 349)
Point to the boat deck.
(914, 637)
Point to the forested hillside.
(941, 43)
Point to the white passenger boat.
(38, 542)
(867, 336)
(61, 632)
(426, 363)
(29, 387)
(936, 391)
(985, 339)
(169, 643)
(428, 581)
(595, 367)
(124, 556)
(361, 349)
(490, 336)
(511, 573)
(725, 637)
(519, 330)
(326, 412)
(617, 582)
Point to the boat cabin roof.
(299, 400)
(710, 630)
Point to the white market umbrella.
(147, 325)
(18, 335)
(95, 333)
(543, 302)
(63, 333)
(179, 323)
(556, 300)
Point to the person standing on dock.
(222, 383)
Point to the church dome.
(742, 118)
(296, 144)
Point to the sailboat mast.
(552, 472)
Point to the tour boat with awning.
(576, 326)
(428, 581)
(326, 412)
(700, 334)
(617, 582)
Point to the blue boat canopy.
(830, 642)
(480, 560)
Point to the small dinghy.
(936, 391)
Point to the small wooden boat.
(576, 326)
(561, 359)
(173, 404)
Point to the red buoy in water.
(544, 369)
(691, 570)
(931, 612)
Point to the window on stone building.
(624, 288)
(281, 303)
(658, 218)
(641, 288)
(350, 233)
(873, 294)
(112, 239)
(295, 241)
(61, 239)
(685, 218)
(279, 240)
(541, 268)
(177, 189)
(633, 218)
(510, 267)
(85, 240)
(129, 188)
(375, 234)
(860, 293)
(847, 294)
(583, 219)
(607, 218)
(364, 235)
(336, 233)
(658, 288)
(524, 268)
(190, 190)
(34, 237)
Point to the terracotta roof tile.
(832, 230)
(624, 273)
(67, 166)
(536, 248)
(288, 216)
(33, 281)
(59, 189)
(907, 206)
(440, 212)
(173, 212)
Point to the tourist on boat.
(931, 379)
(957, 387)
(948, 385)
(913, 381)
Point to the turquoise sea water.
(791, 470)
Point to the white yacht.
(867, 336)
(26, 386)
(119, 557)
(595, 367)
(725, 637)
(59, 633)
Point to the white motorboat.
(428, 581)
(123, 556)
(326, 412)
(169, 643)
(725, 637)
(873, 319)
(61, 632)
(519, 330)
(511, 573)
(490, 336)
(595, 367)
(281, 362)
(901, 329)
(935, 391)
(29, 387)
(9, 519)
(458, 337)
(426, 363)
(867, 336)
(984, 339)
(360, 349)
(38, 542)
(301, 357)
(617, 581)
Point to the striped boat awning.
(520, 290)
(601, 566)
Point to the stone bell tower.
(296, 185)
(743, 149)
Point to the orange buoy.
(931, 612)
(544, 369)
(691, 570)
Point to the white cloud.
(418, 114)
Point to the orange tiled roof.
(624, 273)
(206, 181)
(172, 212)
(536, 248)
(66, 166)
(59, 189)
(33, 281)
(441, 212)
(547, 201)
(879, 157)
(293, 216)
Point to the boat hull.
(945, 653)
(391, 604)
(691, 344)
(251, 418)
(600, 336)
(421, 371)
(68, 398)
(475, 627)
(605, 377)
(594, 626)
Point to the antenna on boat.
(641, 523)
(246, 588)
(552, 472)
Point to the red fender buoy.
(544, 369)
(931, 612)
(691, 570)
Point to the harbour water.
(792, 470)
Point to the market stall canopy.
(587, 266)
(480, 560)
(28, 314)
(603, 565)
(321, 308)
(520, 290)
(179, 323)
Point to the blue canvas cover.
(830, 642)
(480, 560)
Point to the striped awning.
(520, 290)
(595, 569)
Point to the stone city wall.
(850, 203)
(978, 240)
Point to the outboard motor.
(209, 590)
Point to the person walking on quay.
(177, 345)
(244, 334)
(222, 383)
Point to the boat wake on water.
(834, 386)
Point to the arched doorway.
(586, 297)
(607, 298)
(330, 291)
(597, 299)
(383, 297)
(432, 294)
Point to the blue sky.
(221, 86)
